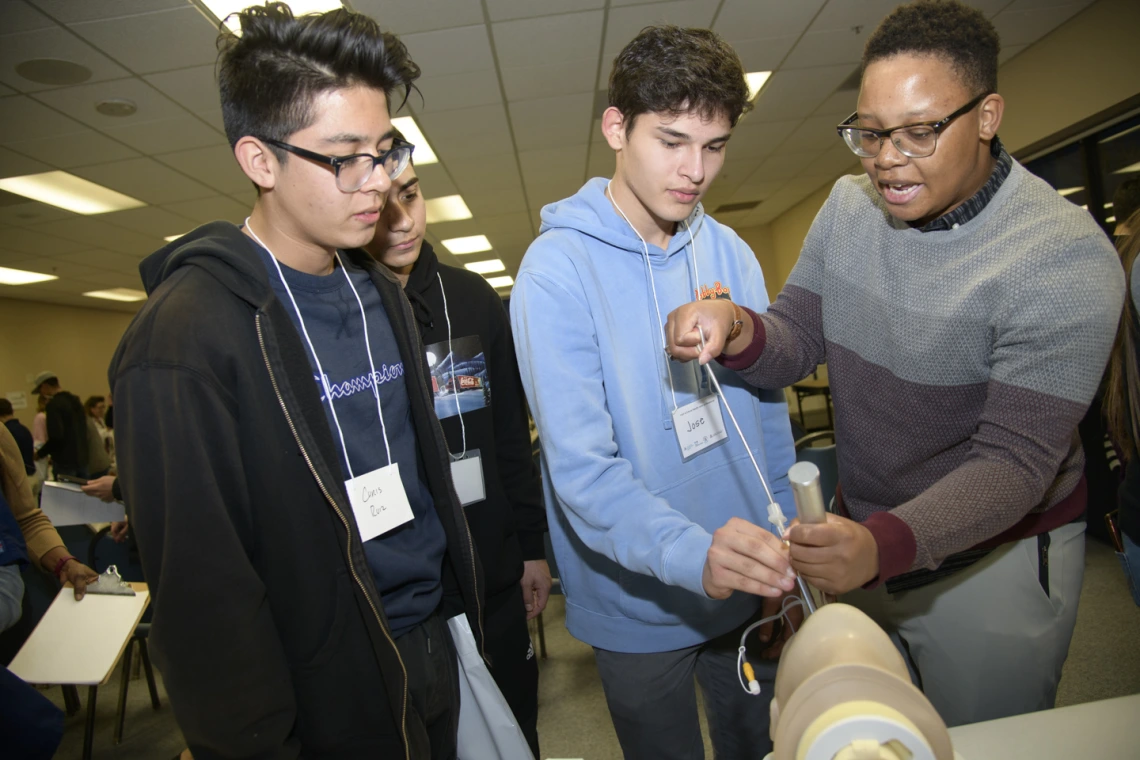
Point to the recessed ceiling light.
(487, 267)
(53, 71)
(117, 107)
(1129, 169)
(172, 238)
(499, 283)
(118, 294)
(1065, 191)
(449, 208)
(470, 244)
(222, 9)
(423, 153)
(69, 192)
(756, 81)
(21, 277)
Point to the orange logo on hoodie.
(707, 293)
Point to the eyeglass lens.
(352, 175)
(915, 142)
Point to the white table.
(1105, 730)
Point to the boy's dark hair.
(92, 402)
(1126, 200)
(269, 76)
(961, 35)
(667, 69)
(6, 407)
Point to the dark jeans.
(513, 664)
(433, 689)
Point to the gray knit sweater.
(960, 362)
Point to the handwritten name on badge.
(699, 426)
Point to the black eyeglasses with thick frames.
(352, 172)
(912, 140)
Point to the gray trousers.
(989, 641)
(653, 701)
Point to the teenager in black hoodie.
(479, 400)
(286, 477)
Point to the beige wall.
(1088, 64)
(75, 343)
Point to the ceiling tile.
(756, 191)
(181, 133)
(784, 166)
(1029, 5)
(451, 51)
(554, 165)
(62, 44)
(22, 18)
(152, 221)
(77, 149)
(17, 165)
(213, 118)
(1024, 27)
(551, 122)
(467, 131)
(602, 162)
(58, 267)
(452, 91)
(988, 7)
(758, 139)
(5, 90)
(203, 210)
(215, 167)
(103, 259)
(160, 41)
(408, 16)
(550, 39)
(844, 14)
(624, 23)
(753, 19)
(504, 10)
(817, 133)
(544, 80)
(195, 88)
(1009, 52)
(26, 119)
(485, 173)
(93, 232)
(36, 242)
(79, 102)
(120, 279)
(827, 48)
(29, 213)
(764, 54)
(69, 11)
(796, 93)
(435, 180)
(840, 105)
(499, 201)
(147, 180)
(835, 160)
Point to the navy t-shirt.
(406, 561)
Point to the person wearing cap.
(66, 428)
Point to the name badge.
(699, 426)
(467, 474)
(379, 502)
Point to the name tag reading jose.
(699, 426)
(378, 501)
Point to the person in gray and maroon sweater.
(966, 312)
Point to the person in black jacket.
(285, 475)
(479, 400)
(66, 427)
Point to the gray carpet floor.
(1104, 662)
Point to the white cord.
(789, 603)
(317, 359)
(451, 353)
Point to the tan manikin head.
(843, 693)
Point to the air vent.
(729, 207)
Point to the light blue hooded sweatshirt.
(630, 522)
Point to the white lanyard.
(454, 386)
(653, 284)
(320, 370)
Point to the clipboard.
(66, 504)
(56, 653)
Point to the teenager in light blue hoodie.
(663, 555)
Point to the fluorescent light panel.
(172, 238)
(118, 294)
(756, 81)
(1110, 220)
(423, 154)
(449, 208)
(69, 192)
(487, 267)
(22, 277)
(470, 244)
(1129, 169)
(499, 283)
(1067, 191)
(223, 8)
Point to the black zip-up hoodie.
(509, 524)
(268, 627)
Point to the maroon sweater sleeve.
(752, 351)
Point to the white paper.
(65, 504)
(378, 501)
(467, 473)
(699, 426)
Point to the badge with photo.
(459, 379)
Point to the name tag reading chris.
(378, 501)
(699, 426)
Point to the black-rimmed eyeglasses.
(352, 172)
(912, 140)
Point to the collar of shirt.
(978, 201)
